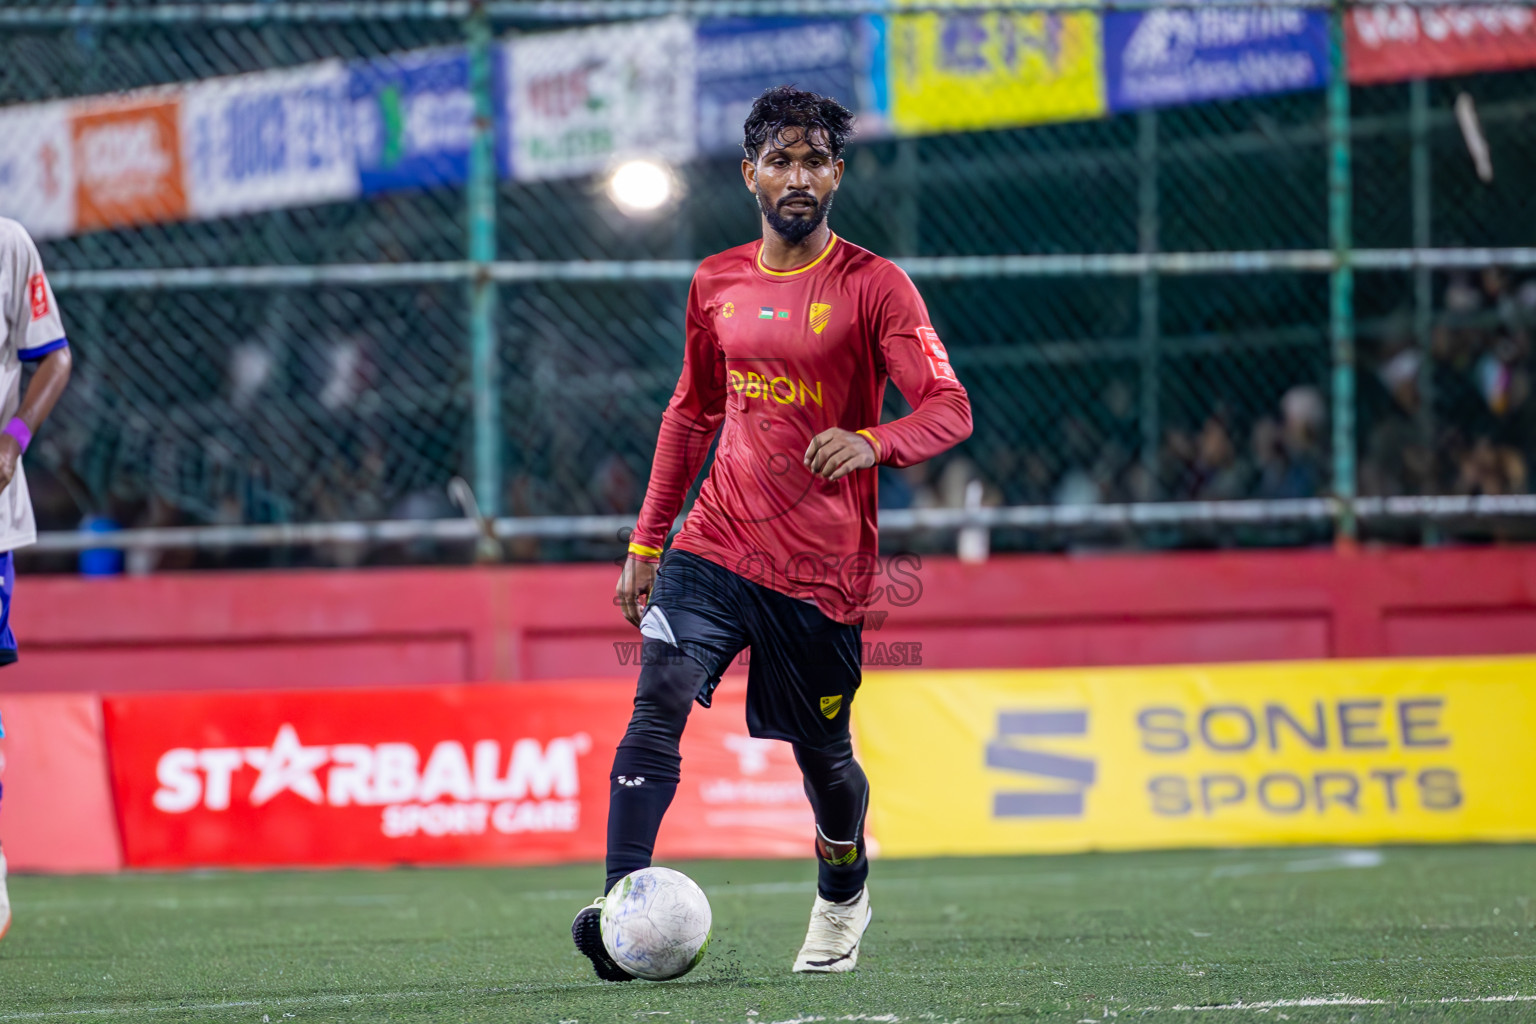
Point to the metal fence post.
(481, 198)
(1147, 225)
(1423, 277)
(1341, 279)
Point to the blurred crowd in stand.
(1462, 420)
(1442, 408)
(1445, 411)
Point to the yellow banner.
(968, 69)
(1341, 751)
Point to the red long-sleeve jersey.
(776, 357)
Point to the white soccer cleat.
(5, 900)
(832, 941)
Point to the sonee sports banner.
(998, 762)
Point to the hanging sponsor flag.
(967, 69)
(127, 161)
(413, 120)
(1161, 57)
(1394, 42)
(268, 140)
(583, 99)
(738, 58)
(37, 168)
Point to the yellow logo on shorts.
(830, 706)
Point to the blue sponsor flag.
(413, 118)
(738, 58)
(1164, 57)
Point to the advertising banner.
(501, 774)
(583, 99)
(413, 120)
(37, 168)
(1395, 42)
(268, 140)
(968, 69)
(56, 813)
(127, 162)
(996, 762)
(739, 796)
(738, 58)
(1162, 57)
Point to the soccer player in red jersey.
(790, 340)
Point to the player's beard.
(795, 230)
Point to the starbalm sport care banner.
(490, 774)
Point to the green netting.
(259, 403)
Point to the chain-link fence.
(1155, 305)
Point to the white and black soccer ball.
(656, 923)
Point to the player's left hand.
(835, 453)
(10, 455)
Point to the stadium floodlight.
(640, 186)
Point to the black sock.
(839, 794)
(647, 764)
(639, 794)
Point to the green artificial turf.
(1376, 935)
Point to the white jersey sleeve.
(31, 311)
(30, 328)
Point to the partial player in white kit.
(31, 331)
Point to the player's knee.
(669, 681)
(826, 762)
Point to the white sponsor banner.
(583, 99)
(268, 140)
(37, 171)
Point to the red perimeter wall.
(366, 628)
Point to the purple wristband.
(17, 428)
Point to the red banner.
(57, 810)
(1395, 42)
(501, 774)
(739, 797)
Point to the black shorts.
(803, 667)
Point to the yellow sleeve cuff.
(642, 551)
(873, 440)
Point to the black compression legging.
(646, 771)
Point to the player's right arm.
(40, 340)
(688, 426)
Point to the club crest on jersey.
(728, 310)
(830, 706)
(821, 312)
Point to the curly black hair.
(785, 107)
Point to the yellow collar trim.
(798, 270)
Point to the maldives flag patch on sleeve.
(37, 289)
(933, 349)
